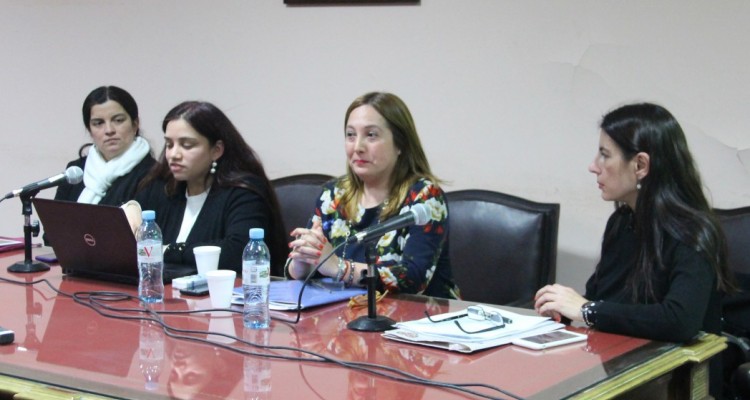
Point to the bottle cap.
(148, 215)
(256, 233)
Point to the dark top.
(687, 300)
(122, 189)
(224, 220)
(414, 259)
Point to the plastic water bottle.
(256, 278)
(150, 259)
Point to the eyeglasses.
(480, 314)
(476, 313)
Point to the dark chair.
(502, 248)
(297, 195)
(736, 307)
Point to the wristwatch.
(588, 312)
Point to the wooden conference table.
(65, 350)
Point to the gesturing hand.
(308, 247)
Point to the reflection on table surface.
(61, 342)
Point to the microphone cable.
(305, 284)
(97, 301)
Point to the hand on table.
(557, 300)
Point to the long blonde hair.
(411, 164)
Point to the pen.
(444, 319)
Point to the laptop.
(95, 241)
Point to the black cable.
(96, 300)
(94, 303)
(359, 366)
(302, 371)
(304, 285)
(363, 367)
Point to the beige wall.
(506, 94)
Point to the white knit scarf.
(99, 174)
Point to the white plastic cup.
(220, 286)
(206, 258)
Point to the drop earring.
(213, 167)
(638, 186)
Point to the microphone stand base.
(28, 266)
(367, 324)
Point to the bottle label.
(256, 274)
(149, 252)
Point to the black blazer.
(225, 220)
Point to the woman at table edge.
(663, 260)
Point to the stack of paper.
(8, 244)
(447, 335)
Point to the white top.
(192, 209)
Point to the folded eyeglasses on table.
(476, 313)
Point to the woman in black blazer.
(209, 188)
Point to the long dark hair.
(670, 200)
(235, 167)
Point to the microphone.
(71, 175)
(418, 215)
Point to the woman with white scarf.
(119, 157)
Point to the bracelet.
(347, 268)
(588, 312)
(342, 271)
(350, 280)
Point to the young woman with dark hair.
(663, 259)
(209, 188)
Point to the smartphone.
(196, 291)
(49, 258)
(7, 336)
(550, 339)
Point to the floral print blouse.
(409, 260)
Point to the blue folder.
(283, 295)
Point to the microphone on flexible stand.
(72, 175)
(418, 215)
